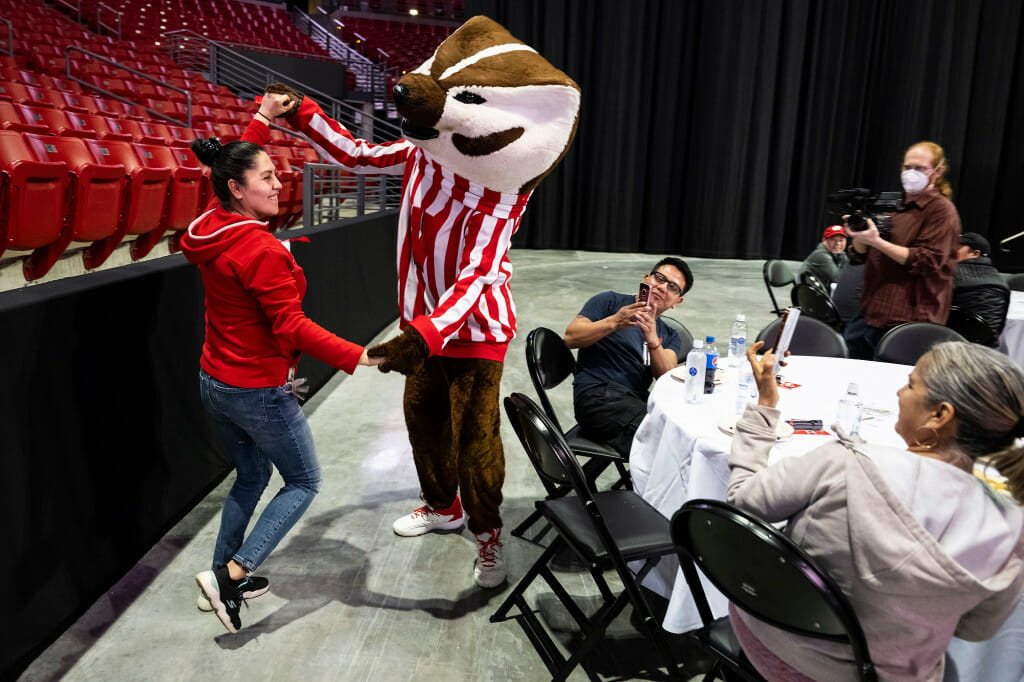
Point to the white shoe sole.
(207, 582)
(423, 530)
(203, 602)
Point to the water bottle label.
(693, 371)
(741, 341)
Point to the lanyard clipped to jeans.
(296, 386)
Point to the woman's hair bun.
(207, 150)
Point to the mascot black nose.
(401, 94)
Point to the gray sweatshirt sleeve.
(776, 492)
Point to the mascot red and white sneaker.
(485, 119)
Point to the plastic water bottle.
(738, 341)
(695, 363)
(850, 410)
(711, 367)
(746, 387)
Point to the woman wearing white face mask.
(908, 277)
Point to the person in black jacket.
(977, 285)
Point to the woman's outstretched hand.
(764, 375)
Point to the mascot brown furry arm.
(485, 119)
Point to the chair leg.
(519, 530)
(524, 582)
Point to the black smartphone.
(644, 295)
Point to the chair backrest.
(540, 439)
(1016, 282)
(764, 573)
(816, 303)
(811, 337)
(776, 274)
(549, 362)
(970, 325)
(906, 343)
(685, 337)
(813, 280)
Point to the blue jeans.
(260, 427)
(861, 338)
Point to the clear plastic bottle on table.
(746, 387)
(850, 410)
(738, 341)
(695, 365)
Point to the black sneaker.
(256, 586)
(224, 595)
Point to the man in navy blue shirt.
(623, 345)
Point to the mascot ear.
(294, 95)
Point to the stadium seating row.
(56, 190)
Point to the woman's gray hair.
(986, 390)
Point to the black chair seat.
(590, 448)
(637, 528)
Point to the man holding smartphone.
(623, 346)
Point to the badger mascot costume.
(485, 119)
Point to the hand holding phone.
(644, 295)
(785, 335)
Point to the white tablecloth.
(1011, 341)
(681, 452)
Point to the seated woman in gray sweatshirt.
(924, 549)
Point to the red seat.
(289, 199)
(147, 186)
(11, 118)
(186, 190)
(79, 103)
(93, 125)
(134, 129)
(55, 120)
(32, 201)
(14, 92)
(45, 97)
(182, 137)
(97, 193)
(170, 109)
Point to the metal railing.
(331, 194)
(102, 12)
(248, 77)
(106, 93)
(370, 77)
(9, 50)
(74, 6)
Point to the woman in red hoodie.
(255, 332)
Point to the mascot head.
(490, 108)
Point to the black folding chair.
(605, 530)
(811, 337)
(970, 325)
(815, 302)
(813, 280)
(905, 344)
(550, 363)
(765, 574)
(684, 336)
(776, 274)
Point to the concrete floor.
(349, 600)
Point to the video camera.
(861, 203)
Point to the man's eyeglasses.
(669, 284)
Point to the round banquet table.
(681, 452)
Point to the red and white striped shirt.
(453, 241)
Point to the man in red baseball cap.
(829, 257)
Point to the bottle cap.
(697, 343)
(740, 317)
(709, 339)
(853, 388)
